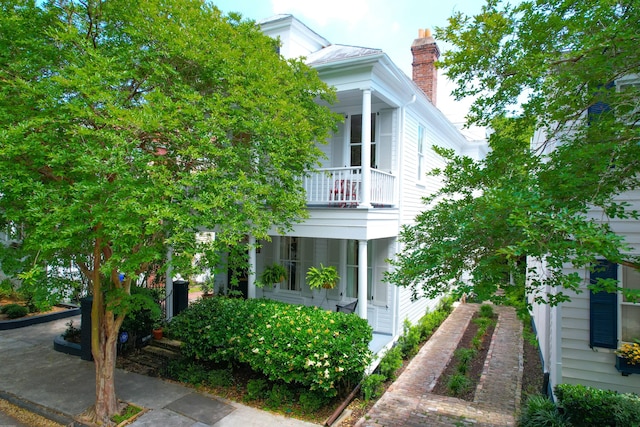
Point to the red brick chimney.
(425, 53)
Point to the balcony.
(342, 188)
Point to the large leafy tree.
(559, 69)
(127, 126)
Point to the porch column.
(362, 279)
(251, 285)
(365, 159)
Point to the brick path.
(409, 401)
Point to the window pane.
(356, 159)
(352, 282)
(630, 322)
(356, 128)
(630, 279)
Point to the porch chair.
(347, 308)
(344, 192)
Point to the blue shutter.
(604, 310)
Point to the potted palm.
(273, 274)
(322, 277)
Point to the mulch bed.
(475, 368)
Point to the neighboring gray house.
(578, 339)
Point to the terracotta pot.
(157, 334)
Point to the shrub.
(14, 311)
(458, 384)
(540, 411)
(317, 349)
(409, 342)
(486, 311)
(311, 401)
(278, 396)
(220, 378)
(390, 363)
(372, 386)
(72, 334)
(464, 357)
(257, 389)
(592, 406)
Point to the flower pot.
(157, 334)
(328, 285)
(626, 368)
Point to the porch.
(347, 188)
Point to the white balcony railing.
(341, 187)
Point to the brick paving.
(410, 403)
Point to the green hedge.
(588, 406)
(318, 349)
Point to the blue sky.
(384, 24)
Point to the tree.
(128, 126)
(552, 67)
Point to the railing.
(342, 187)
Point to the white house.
(578, 339)
(370, 184)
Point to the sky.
(390, 25)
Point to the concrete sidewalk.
(61, 387)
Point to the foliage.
(486, 311)
(631, 352)
(257, 389)
(311, 401)
(556, 67)
(372, 386)
(458, 384)
(279, 395)
(410, 339)
(591, 406)
(317, 349)
(128, 126)
(71, 334)
(322, 277)
(220, 378)
(14, 311)
(273, 274)
(129, 412)
(540, 411)
(390, 363)
(464, 356)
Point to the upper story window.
(422, 149)
(355, 140)
(630, 311)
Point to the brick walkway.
(409, 401)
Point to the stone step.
(166, 343)
(160, 352)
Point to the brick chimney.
(425, 53)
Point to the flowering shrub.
(318, 349)
(631, 352)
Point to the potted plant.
(272, 275)
(628, 358)
(322, 277)
(157, 330)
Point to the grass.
(129, 412)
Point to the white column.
(365, 187)
(363, 299)
(251, 285)
(168, 285)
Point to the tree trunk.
(106, 401)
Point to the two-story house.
(370, 184)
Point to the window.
(352, 269)
(290, 258)
(355, 141)
(604, 313)
(422, 148)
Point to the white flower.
(326, 356)
(326, 363)
(326, 373)
(256, 350)
(310, 362)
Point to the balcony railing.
(342, 187)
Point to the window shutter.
(604, 310)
